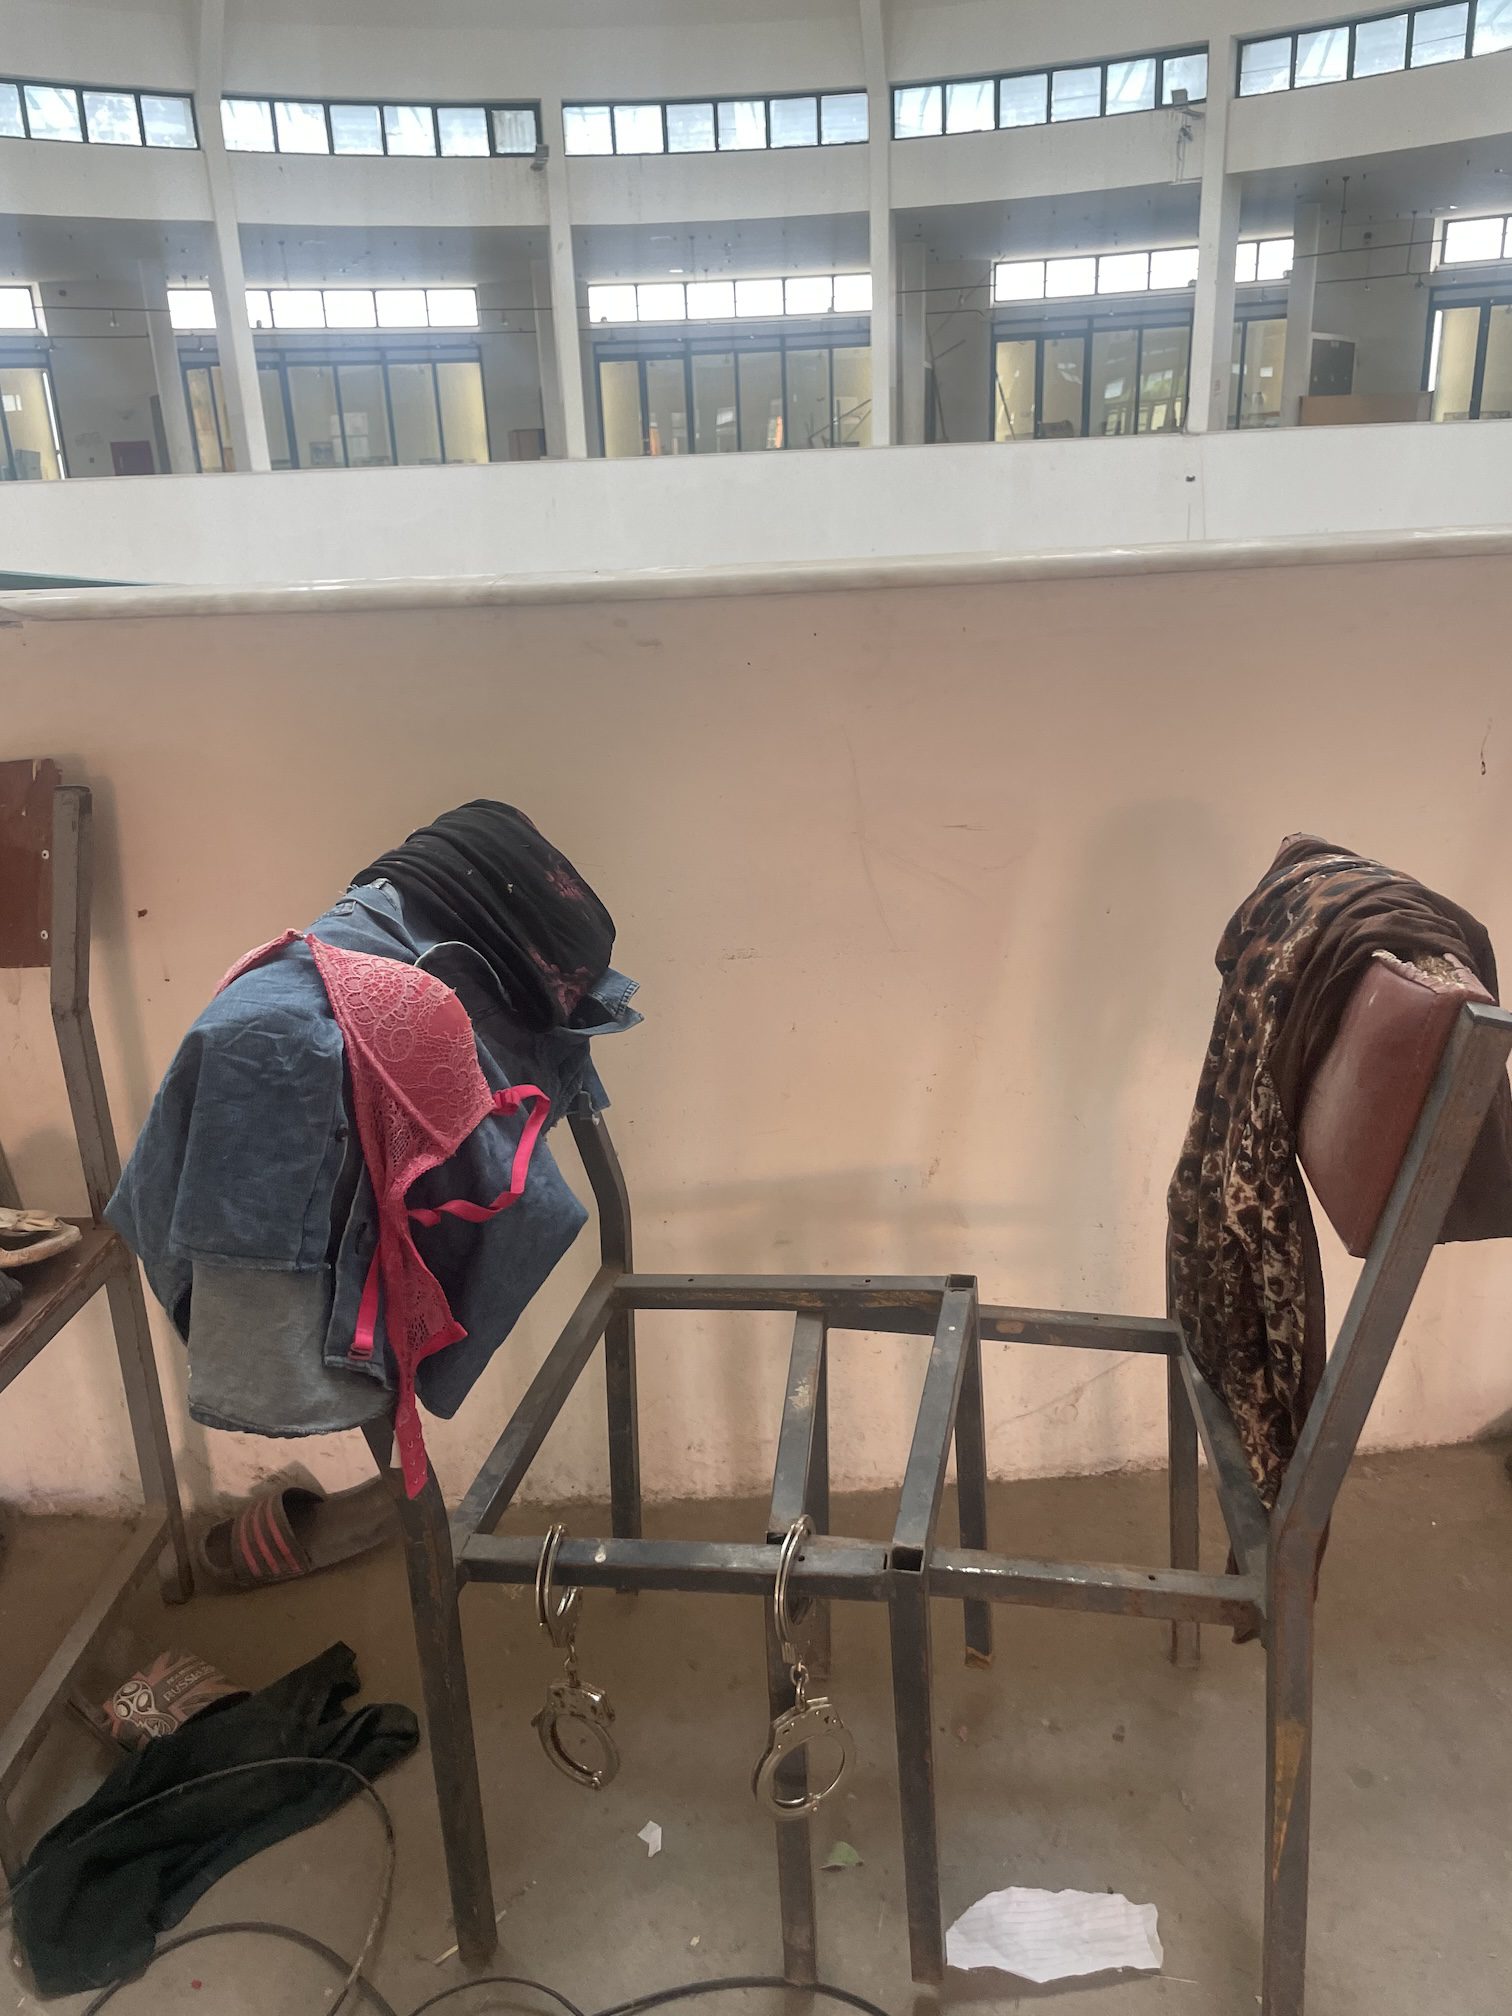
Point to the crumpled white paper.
(652, 1836)
(1050, 1935)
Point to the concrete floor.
(1084, 1759)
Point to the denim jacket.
(248, 1201)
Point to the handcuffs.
(568, 1700)
(808, 1720)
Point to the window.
(587, 129)
(1184, 73)
(1123, 273)
(1024, 101)
(315, 126)
(1076, 94)
(719, 300)
(356, 129)
(843, 118)
(192, 308)
(111, 118)
(462, 129)
(168, 121)
(742, 124)
(758, 297)
(1267, 260)
(1176, 267)
(1438, 34)
(1322, 56)
(701, 125)
(409, 129)
(638, 129)
(300, 127)
(690, 129)
(1067, 277)
(1131, 86)
(1265, 66)
(248, 125)
(1374, 45)
(52, 113)
(12, 125)
(346, 308)
(720, 396)
(1079, 91)
(17, 308)
(795, 122)
(708, 301)
(1380, 45)
(514, 129)
(1468, 239)
(1126, 378)
(971, 107)
(918, 110)
(31, 446)
(1258, 355)
(363, 412)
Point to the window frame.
(1014, 329)
(766, 100)
(133, 91)
(759, 340)
(998, 78)
(487, 106)
(1353, 23)
(278, 358)
(1473, 296)
(13, 357)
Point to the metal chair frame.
(1270, 1589)
(47, 859)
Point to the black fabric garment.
(491, 880)
(88, 1915)
(10, 1296)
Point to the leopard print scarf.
(1245, 1280)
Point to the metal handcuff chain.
(810, 1719)
(569, 1700)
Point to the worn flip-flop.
(287, 1533)
(29, 1236)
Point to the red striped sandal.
(286, 1533)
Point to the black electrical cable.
(355, 1980)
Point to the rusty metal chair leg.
(1181, 1428)
(1288, 1730)
(448, 1712)
(913, 1714)
(971, 1491)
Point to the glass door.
(1013, 389)
(666, 395)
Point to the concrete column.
(1217, 248)
(165, 370)
(884, 310)
(564, 307)
(914, 377)
(1296, 369)
(228, 279)
(546, 355)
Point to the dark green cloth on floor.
(89, 1914)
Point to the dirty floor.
(1083, 1759)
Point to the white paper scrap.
(651, 1835)
(1050, 1935)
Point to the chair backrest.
(26, 862)
(1366, 1095)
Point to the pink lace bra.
(418, 1091)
